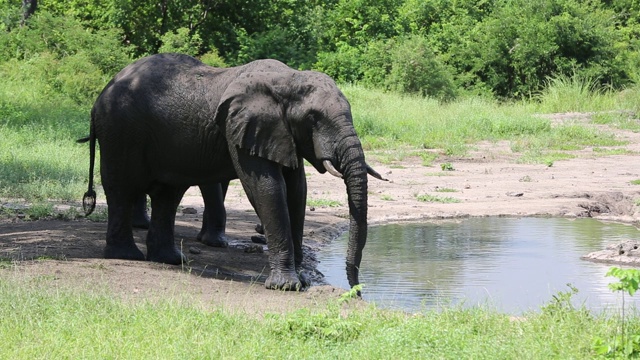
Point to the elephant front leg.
(266, 189)
(160, 238)
(214, 219)
(297, 202)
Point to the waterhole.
(509, 264)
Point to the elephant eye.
(312, 118)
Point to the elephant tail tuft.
(89, 202)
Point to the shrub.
(212, 58)
(276, 43)
(61, 56)
(344, 64)
(523, 43)
(415, 69)
(180, 41)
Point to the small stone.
(514, 194)
(189, 211)
(254, 248)
(194, 250)
(259, 239)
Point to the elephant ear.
(253, 117)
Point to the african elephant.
(168, 121)
(214, 219)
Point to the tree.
(28, 8)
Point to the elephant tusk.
(375, 174)
(329, 166)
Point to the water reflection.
(512, 264)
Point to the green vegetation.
(323, 203)
(44, 320)
(417, 83)
(444, 189)
(436, 199)
(425, 79)
(446, 167)
(628, 343)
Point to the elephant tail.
(89, 198)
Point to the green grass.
(39, 159)
(444, 189)
(323, 203)
(44, 320)
(437, 199)
(574, 93)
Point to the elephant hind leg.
(160, 238)
(214, 219)
(140, 219)
(120, 244)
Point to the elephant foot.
(128, 252)
(213, 238)
(290, 281)
(167, 256)
(141, 221)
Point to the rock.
(194, 250)
(254, 248)
(259, 239)
(626, 252)
(189, 211)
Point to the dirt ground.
(488, 182)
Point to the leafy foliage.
(628, 344)
(435, 48)
(629, 280)
(180, 41)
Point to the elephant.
(214, 218)
(168, 121)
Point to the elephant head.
(282, 116)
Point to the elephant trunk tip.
(89, 202)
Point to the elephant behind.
(168, 121)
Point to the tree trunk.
(28, 8)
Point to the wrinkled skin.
(167, 122)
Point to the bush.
(345, 65)
(212, 58)
(522, 43)
(405, 65)
(61, 56)
(180, 41)
(415, 69)
(276, 43)
(79, 79)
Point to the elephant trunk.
(354, 170)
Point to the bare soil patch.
(487, 182)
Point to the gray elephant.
(168, 121)
(214, 219)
